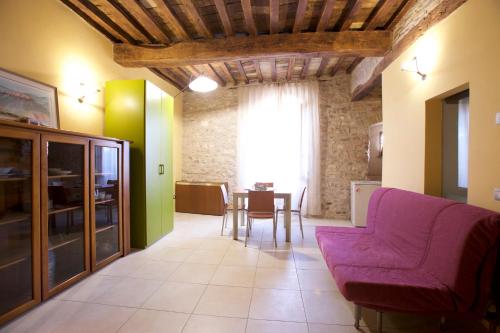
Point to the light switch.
(497, 118)
(496, 194)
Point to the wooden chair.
(225, 202)
(298, 211)
(260, 206)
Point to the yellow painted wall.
(45, 40)
(463, 48)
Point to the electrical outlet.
(496, 194)
(497, 118)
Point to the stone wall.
(210, 135)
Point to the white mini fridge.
(361, 190)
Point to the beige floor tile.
(276, 259)
(324, 328)
(71, 317)
(267, 326)
(173, 254)
(152, 321)
(311, 279)
(91, 288)
(273, 304)
(309, 259)
(173, 296)
(129, 292)
(236, 276)
(181, 243)
(215, 244)
(225, 301)
(276, 278)
(327, 307)
(209, 324)
(211, 257)
(123, 266)
(241, 257)
(155, 270)
(193, 273)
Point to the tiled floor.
(195, 281)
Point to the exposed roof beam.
(353, 65)
(351, 10)
(227, 72)
(401, 11)
(305, 68)
(120, 20)
(171, 77)
(274, 74)
(326, 13)
(299, 16)
(214, 75)
(291, 64)
(322, 66)
(337, 66)
(171, 20)
(242, 71)
(256, 64)
(353, 43)
(274, 16)
(142, 16)
(379, 13)
(195, 18)
(249, 20)
(226, 22)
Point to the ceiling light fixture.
(203, 84)
(412, 66)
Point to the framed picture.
(27, 100)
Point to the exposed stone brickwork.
(412, 17)
(210, 135)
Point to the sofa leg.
(442, 323)
(357, 315)
(379, 322)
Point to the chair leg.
(357, 315)
(275, 226)
(247, 234)
(379, 322)
(223, 223)
(301, 228)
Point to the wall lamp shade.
(412, 66)
(203, 84)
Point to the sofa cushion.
(393, 289)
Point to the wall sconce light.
(87, 92)
(412, 66)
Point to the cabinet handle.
(161, 169)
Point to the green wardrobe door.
(167, 160)
(154, 128)
(124, 119)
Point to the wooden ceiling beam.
(194, 16)
(326, 14)
(171, 20)
(227, 73)
(351, 10)
(274, 73)
(305, 68)
(322, 66)
(256, 64)
(120, 20)
(353, 65)
(353, 43)
(224, 17)
(248, 14)
(242, 71)
(291, 65)
(143, 17)
(336, 67)
(170, 76)
(299, 16)
(378, 15)
(401, 11)
(98, 21)
(274, 16)
(212, 73)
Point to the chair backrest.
(224, 194)
(261, 201)
(302, 198)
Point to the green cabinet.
(138, 111)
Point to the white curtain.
(463, 142)
(278, 140)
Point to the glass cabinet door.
(19, 221)
(105, 202)
(65, 212)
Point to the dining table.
(239, 197)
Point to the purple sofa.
(418, 254)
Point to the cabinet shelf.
(14, 262)
(65, 242)
(13, 179)
(108, 227)
(63, 176)
(14, 218)
(101, 202)
(63, 209)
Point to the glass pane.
(66, 221)
(15, 223)
(106, 202)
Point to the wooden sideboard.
(199, 198)
(64, 211)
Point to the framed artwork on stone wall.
(27, 100)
